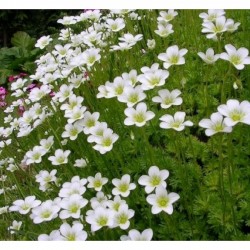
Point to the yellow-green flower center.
(123, 187)
(162, 201)
(123, 218)
(139, 117)
(155, 180)
(102, 221)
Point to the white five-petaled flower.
(100, 217)
(138, 116)
(115, 25)
(164, 30)
(16, 225)
(43, 42)
(175, 122)
(60, 157)
(235, 112)
(162, 201)
(167, 16)
(47, 211)
(215, 125)
(122, 216)
(44, 178)
(173, 56)
(209, 57)
(135, 235)
(237, 57)
(74, 232)
(72, 206)
(153, 78)
(123, 186)
(131, 95)
(167, 98)
(211, 15)
(35, 155)
(72, 131)
(97, 182)
(105, 142)
(47, 143)
(155, 178)
(24, 206)
(214, 28)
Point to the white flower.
(80, 163)
(212, 29)
(167, 98)
(237, 57)
(97, 131)
(162, 201)
(209, 57)
(35, 155)
(100, 200)
(123, 186)
(105, 142)
(231, 26)
(61, 157)
(115, 25)
(131, 77)
(121, 46)
(74, 233)
(153, 78)
(74, 101)
(135, 235)
(47, 211)
(43, 42)
(44, 177)
(89, 121)
(76, 114)
(16, 225)
(72, 131)
(100, 217)
(131, 95)
(235, 112)
(173, 56)
(90, 56)
(155, 178)
(64, 93)
(117, 87)
(67, 20)
(167, 16)
(69, 189)
(53, 236)
(46, 144)
(4, 210)
(72, 206)
(18, 84)
(151, 43)
(212, 15)
(62, 51)
(97, 182)
(164, 30)
(116, 203)
(130, 39)
(175, 122)
(138, 116)
(24, 206)
(214, 125)
(37, 94)
(122, 216)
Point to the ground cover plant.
(134, 126)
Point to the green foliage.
(18, 58)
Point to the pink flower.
(2, 104)
(3, 91)
(21, 110)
